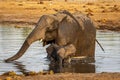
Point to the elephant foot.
(82, 59)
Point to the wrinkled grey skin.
(63, 29)
(66, 51)
(59, 53)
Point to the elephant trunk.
(24, 47)
(34, 36)
(37, 34)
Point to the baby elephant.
(66, 52)
(60, 53)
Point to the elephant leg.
(52, 52)
(49, 50)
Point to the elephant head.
(45, 30)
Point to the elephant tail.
(100, 45)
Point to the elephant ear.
(74, 18)
(59, 16)
(53, 26)
(57, 19)
(64, 18)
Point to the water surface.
(11, 39)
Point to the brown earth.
(24, 13)
(66, 76)
(105, 14)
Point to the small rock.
(8, 78)
(17, 78)
(51, 72)
(41, 2)
(10, 73)
(16, 26)
(31, 73)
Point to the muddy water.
(35, 59)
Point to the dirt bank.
(105, 14)
(67, 76)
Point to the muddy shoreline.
(101, 26)
(65, 76)
(28, 12)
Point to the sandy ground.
(105, 14)
(24, 13)
(66, 76)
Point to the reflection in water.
(20, 67)
(77, 68)
(11, 39)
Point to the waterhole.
(11, 39)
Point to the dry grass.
(30, 11)
(33, 9)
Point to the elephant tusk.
(41, 40)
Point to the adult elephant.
(63, 29)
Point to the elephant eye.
(53, 26)
(48, 28)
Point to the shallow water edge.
(11, 39)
